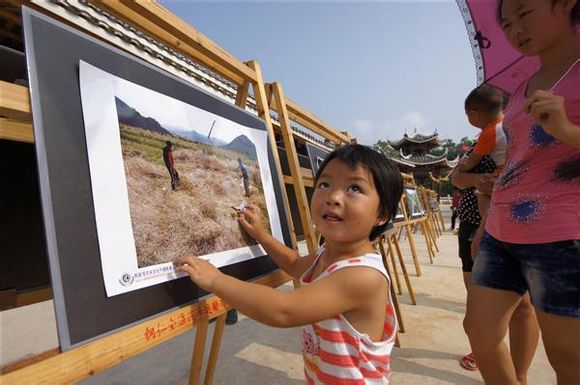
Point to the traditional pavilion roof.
(429, 159)
(402, 162)
(416, 138)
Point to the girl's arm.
(345, 290)
(286, 258)
(549, 110)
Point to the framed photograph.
(433, 203)
(414, 207)
(400, 214)
(137, 166)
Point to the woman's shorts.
(550, 271)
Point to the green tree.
(384, 147)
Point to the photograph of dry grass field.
(169, 172)
(197, 217)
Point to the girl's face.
(533, 26)
(345, 203)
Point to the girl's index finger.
(184, 259)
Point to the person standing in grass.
(245, 176)
(168, 160)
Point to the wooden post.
(295, 173)
(396, 304)
(198, 352)
(218, 334)
(395, 242)
(264, 113)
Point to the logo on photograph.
(127, 279)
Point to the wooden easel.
(162, 25)
(300, 177)
(423, 222)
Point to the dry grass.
(195, 219)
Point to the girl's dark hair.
(386, 178)
(574, 15)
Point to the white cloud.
(367, 132)
(363, 131)
(411, 120)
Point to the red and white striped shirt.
(335, 352)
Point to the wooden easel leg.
(428, 240)
(432, 237)
(414, 251)
(441, 221)
(390, 252)
(404, 270)
(392, 289)
(198, 350)
(218, 334)
(436, 226)
(396, 305)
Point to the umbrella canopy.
(497, 63)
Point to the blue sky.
(375, 69)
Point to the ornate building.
(415, 149)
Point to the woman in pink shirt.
(532, 239)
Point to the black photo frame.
(84, 312)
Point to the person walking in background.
(168, 160)
(344, 302)
(245, 176)
(454, 204)
(532, 231)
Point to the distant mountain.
(196, 136)
(131, 117)
(243, 145)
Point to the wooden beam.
(305, 118)
(264, 113)
(33, 296)
(295, 170)
(308, 182)
(160, 23)
(242, 94)
(30, 360)
(103, 353)
(14, 101)
(16, 130)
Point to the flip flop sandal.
(468, 362)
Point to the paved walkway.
(252, 353)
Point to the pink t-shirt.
(536, 199)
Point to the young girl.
(344, 302)
(532, 240)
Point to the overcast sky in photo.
(374, 69)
